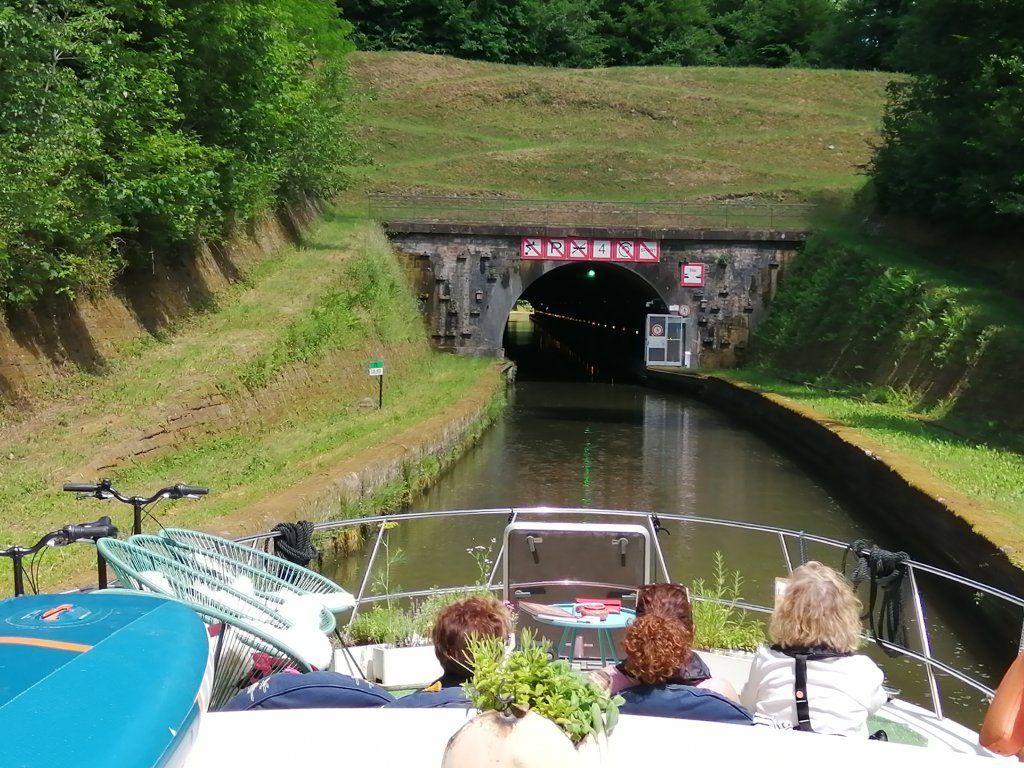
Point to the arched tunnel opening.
(582, 321)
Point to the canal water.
(586, 442)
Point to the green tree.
(865, 34)
(129, 125)
(954, 135)
(653, 32)
(773, 33)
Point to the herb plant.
(526, 679)
(718, 623)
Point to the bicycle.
(103, 490)
(61, 537)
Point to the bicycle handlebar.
(104, 490)
(81, 487)
(66, 535)
(96, 530)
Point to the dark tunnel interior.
(587, 323)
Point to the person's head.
(655, 646)
(669, 600)
(818, 608)
(456, 623)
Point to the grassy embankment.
(283, 354)
(443, 126)
(918, 358)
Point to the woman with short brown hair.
(454, 625)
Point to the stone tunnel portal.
(588, 315)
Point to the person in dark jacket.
(656, 647)
(455, 624)
(671, 601)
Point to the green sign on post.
(376, 368)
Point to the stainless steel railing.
(787, 540)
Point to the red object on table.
(611, 605)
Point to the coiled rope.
(884, 571)
(295, 542)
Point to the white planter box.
(405, 667)
(355, 661)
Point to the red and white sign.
(693, 275)
(590, 249)
(648, 250)
(579, 248)
(555, 248)
(532, 248)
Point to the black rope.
(884, 571)
(295, 542)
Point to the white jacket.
(841, 691)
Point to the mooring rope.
(883, 570)
(295, 542)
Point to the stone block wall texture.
(468, 283)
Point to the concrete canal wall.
(891, 491)
(383, 478)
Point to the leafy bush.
(717, 622)
(130, 127)
(383, 624)
(526, 679)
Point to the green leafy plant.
(526, 679)
(717, 621)
(383, 624)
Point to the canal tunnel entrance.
(582, 321)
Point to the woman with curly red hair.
(671, 601)
(656, 647)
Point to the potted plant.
(725, 633)
(533, 712)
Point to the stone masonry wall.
(468, 283)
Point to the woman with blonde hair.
(811, 678)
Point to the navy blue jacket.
(445, 693)
(313, 690)
(682, 701)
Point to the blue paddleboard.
(89, 680)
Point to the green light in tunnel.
(591, 273)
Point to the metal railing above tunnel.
(404, 210)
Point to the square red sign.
(692, 275)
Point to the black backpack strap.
(803, 709)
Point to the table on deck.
(571, 627)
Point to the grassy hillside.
(920, 359)
(443, 125)
(252, 398)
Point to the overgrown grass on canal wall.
(417, 476)
(252, 398)
(920, 359)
